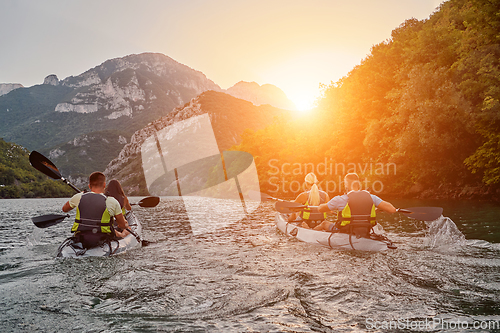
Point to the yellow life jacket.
(312, 213)
(360, 207)
(92, 214)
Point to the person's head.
(311, 182)
(114, 189)
(351, 181)
(97, 181)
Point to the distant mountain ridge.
(261, 94)
(6, 88)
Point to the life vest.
(360, 207)
(92, 214)
(312, 213)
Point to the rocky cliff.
(127, 86)
(229, 117)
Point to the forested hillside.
(421, 114)
(19, 179)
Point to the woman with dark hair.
(115, 190)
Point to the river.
(248, 277)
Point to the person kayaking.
(356, 202)
(115, 190)
(313, 196)
(93, 222)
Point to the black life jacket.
(360, 207)
(92, 214)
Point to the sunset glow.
(293, 45)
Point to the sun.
(303, 104)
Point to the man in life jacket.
(356, 205)
(95, 212)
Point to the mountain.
(6, 88)
(121, 95)
(19, 179)
(87, 153)
(229, 117)
(82, 122)
(261, 94)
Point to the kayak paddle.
(422, 213)
(46, 221)
(44, 165)
(255, 195)
(148, 202)
(287, 207)
(418, 213)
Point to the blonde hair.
(352, 180)
(314, 198)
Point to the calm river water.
(252, 278)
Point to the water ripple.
(241, 278)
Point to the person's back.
(93, 221)
(357, 205)
(358, 216)
(311, 198)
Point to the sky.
(295, 45)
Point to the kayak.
(334, 240)
(71, 249)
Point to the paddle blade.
(46, 221)
(44, 165)
(287, 207)
(259, 196)
(423, 213)
(149, 202)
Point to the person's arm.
(122, 224)
(126, 204)
(323, 208)
(72, 202)
(332, 205)
(387, 207)
(301, 198)
(67, 207)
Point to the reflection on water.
(244, 277)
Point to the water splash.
(35, 238)
(443, 233)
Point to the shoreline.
(453, 193)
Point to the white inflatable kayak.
(70, 249)
(335, 240)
